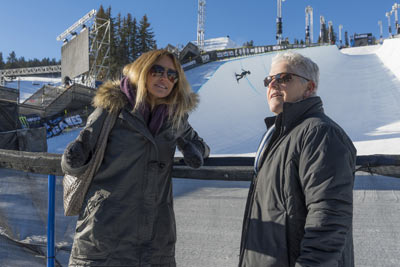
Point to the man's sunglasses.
(281, 78)
(158, 71)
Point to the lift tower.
(200, 24)
(388, 14)
(279, 22)
(396, 18)
(381, 32)
(340, 35)
(330, 32)
(322, 31)
(309, 25)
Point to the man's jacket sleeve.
(326, 170)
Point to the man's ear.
(310, 90)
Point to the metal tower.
(340, 34)
(322, 29)
(279, 22)
(200, 23)
(330, 32)
(381, 32)
(309, 25)
(396, 18)
(388, 14)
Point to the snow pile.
(389, 53)
(361, 50)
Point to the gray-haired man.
(300, 204)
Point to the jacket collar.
(294, 112)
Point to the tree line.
(129, 39)
(13, 62)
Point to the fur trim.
(110, 97)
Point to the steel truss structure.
(13, 73)
(99, 46)
(200, 23)
(309, 25)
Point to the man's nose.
(273, 83)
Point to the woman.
(128, 218)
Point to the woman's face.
(161, 78)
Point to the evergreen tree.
(133, 40)
(12, 61)
(21, 63)
(129, 39)
(145, 36)
(249, 44)
(114, 66)
(123, 46)
(2, 64)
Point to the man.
(241, 75)
(300, 204)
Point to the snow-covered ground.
(360, 89)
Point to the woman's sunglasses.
(281, 78)
(158, 71)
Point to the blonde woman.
(128, 218)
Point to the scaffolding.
(99, 46)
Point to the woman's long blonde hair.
(180, 101)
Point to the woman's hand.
(77, 153)
(193, 154)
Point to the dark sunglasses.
(158, 71)
(281, 78)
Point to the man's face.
(293, 90)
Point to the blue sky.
(30, 27)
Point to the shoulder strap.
(102, 141)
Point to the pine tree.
(145, 36)
(2, 64)
(114, 66)
(133, 40)
(124, 42)
(12, 61)
(249, 44)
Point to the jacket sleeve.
(326, 170)
(88, 138)
(190, 135)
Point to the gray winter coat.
(128, 217)
(300, 204)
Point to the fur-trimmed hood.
(110, 97)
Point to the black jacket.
(300, 204)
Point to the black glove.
(192, 154)
(78, 153)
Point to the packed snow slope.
(360, 91)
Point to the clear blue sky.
(30, 27)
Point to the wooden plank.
(215, 168)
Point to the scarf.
(155, 118)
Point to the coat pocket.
(91, 236)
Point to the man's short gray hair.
(300, 65)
